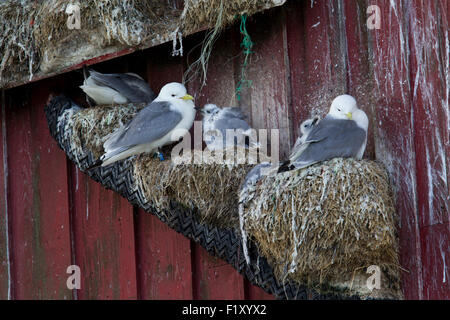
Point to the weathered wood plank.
(268, 71)
(102, 228)
(359, 76)
(435, 240)
(253, 292)
(431, 110)
(164, 260)
(164, 257)
(103, 235)
(5, 276)
(429, 87)
(316, 58)
(37, 201)
(394, 144)
(212, 277)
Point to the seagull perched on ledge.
(216, 121)
(160, 123)
(116, 88)
(341, 134)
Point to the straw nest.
(200, 13)
(106, 26)
(35, 38)
(326, 224)
(18, 53)
(88, 128)
(322, 226)
(211, 190)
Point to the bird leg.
(159, 155)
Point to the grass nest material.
(322, 226)
(18, 53)
(88, 128)
(211, 190)
(106, 26)
(34, 34)
(198, 13)
(326, 224)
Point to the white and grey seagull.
(116, 88)
(341, 134)
(217, 121)
(160, 123)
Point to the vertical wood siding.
(305, 54)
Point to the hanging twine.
(247, 45)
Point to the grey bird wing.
(150, 124)
(129, 85)
(298, 148)
(255, 174)
(233, 112)
(331, 138)
(230, 122)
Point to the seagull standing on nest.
(160, 123)
(341, 134)
(217, 121)
(116, 88)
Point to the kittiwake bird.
(342, 133)
(305, 128)
(255, 174)
(160, 123)
(116, 88)
(218, 120)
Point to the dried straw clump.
(18, 53)
(200, 13)
(89, 127)
(211, 190)
(326, 224)
(106, 26)
(34, 34)
(60, 46)
(35, 37)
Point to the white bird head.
(172, 92)
(307, 125)
(343, 107)
(209, 110)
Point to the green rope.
(247, 44)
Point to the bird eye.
(339, 110)
(173, 95)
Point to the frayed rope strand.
(247, 44)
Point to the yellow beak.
(187, 97)
(349, 116)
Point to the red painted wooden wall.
(305, 54)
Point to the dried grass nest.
(322, 225)
(326, 224)
(89, 127)
(209, 189)
(34, 36)
(198, 13)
